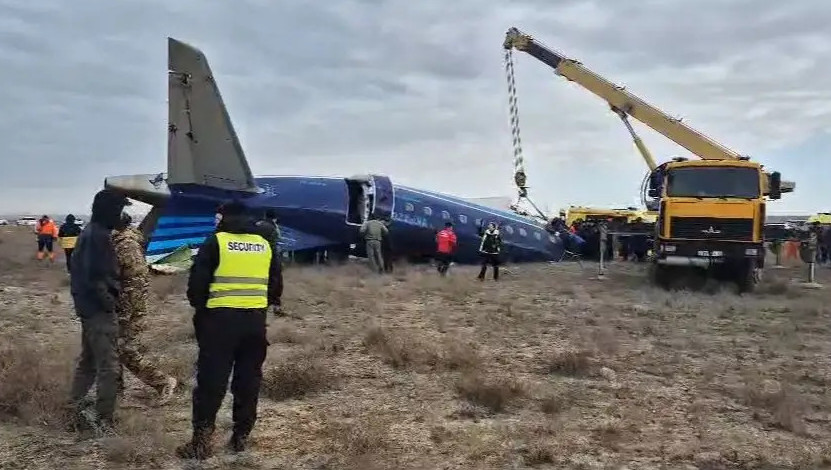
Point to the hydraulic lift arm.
(645, 153)
(626, 104)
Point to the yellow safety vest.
(68, 242)
(241, 277)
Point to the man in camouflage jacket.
(131, 308)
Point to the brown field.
(546, 369)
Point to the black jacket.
(94, 272)
(491, 242)
(266, 229)
(69, 228)
(207, 259)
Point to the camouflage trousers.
(133, 357)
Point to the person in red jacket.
(445, 246)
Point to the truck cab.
(711, 216)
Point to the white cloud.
(412, 89)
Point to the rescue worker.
(131, 308)
(386, 247)
(269, 228)
(489, 248)
(67, 237)
(445, 246)
(95, 286)
(373, 231)
(47, 233)
(640, 241)
(557, 225)
(234, 278)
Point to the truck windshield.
(716, 182)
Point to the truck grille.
(710, 228)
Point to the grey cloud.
(413, 89)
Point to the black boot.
(238, 442)
(199, 447)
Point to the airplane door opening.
(361, 200)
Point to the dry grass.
(545, 369)
(494, 395)
(297, 376)
(34, 383)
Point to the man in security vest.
(235, 277)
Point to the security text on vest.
(246, 247)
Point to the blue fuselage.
(326, 212)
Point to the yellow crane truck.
(711, 212)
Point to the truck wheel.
(659, 276)
(749, 277)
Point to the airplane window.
(445, 215)
(538, 235)
(509, 229)
(409, 207)
(478, 222)
(463, 218)
(522, 232)
(428, 211)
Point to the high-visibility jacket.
(67, 242)
(68, 235)
(241, 277)
(445, 241)
(47, 228)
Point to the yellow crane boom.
(625, 103)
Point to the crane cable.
(520, 178)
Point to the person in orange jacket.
(47, 233)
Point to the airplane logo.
(157, 181)
(711, 231)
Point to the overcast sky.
(413, 89)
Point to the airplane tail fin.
(203, 147)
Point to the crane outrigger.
(711, 211)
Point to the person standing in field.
(445, 246)
(374, 231)
(96, 286)
(131, 308)
(489, 248)
(234, 279)
(67, 237)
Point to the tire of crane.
(749, 276)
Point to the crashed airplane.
(206, 165)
